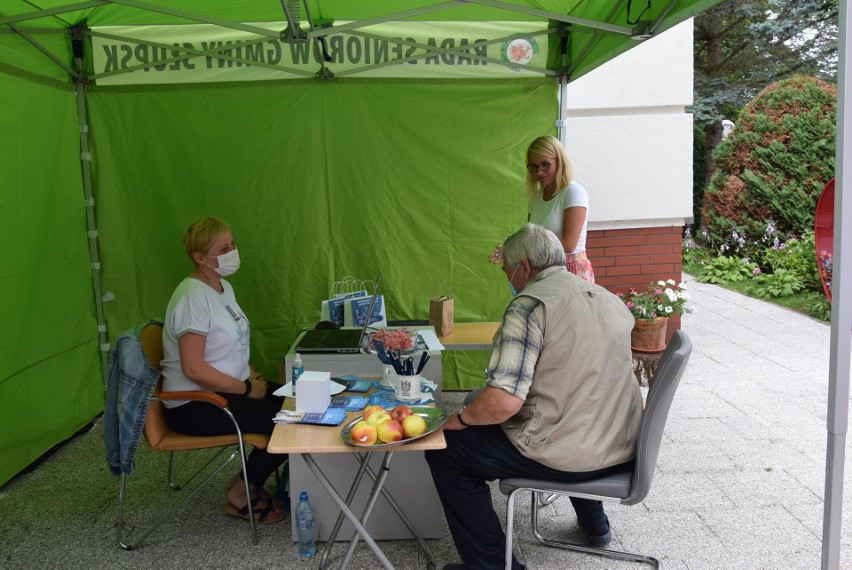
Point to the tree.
(772, 169)
(742, 46)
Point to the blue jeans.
(483, 453)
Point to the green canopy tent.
(337, 137)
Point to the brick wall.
(634, 258)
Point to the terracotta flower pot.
(649, 336)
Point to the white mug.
(387, 372)
(406, 388)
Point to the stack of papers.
(350, 403)
(331, 417)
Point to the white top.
(198, 308)
(550, 213)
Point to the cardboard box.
(313, 392)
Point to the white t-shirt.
(550, 213)
(198, 308)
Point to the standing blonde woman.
(558, 203)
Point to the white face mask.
(228, 263)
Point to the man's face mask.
(511, 286)
(228, 263)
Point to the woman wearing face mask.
(557, 203)
(206, 347)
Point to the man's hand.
(453, 423)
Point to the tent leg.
(86, 166)
(841, 314)
(562, 123)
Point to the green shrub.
(775, 163)
(724, 270)
(781, 283)
(821, 309)
(797, 256)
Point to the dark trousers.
(483, 453)
(253, 416)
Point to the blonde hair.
(201, 234)
(549, 146)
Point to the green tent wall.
(50, 382)
(397, 177)
(415, 178)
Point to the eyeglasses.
(541, 166)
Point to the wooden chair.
(161, 437)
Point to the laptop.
(338, 341)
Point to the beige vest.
(583, 410)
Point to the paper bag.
(332, 309)
(441, 309)
(355, 312)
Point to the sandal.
(267, 515)
(276, 502)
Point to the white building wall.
(630, 138)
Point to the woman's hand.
(258, 386)
(496, 256)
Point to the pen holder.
(406, 388)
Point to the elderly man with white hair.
(561, 402)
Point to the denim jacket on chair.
(131, 379)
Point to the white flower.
(684, 295)
(681, 285)
(670, 281)
(668, 309)
(661, 283)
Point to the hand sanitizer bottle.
(297, 370)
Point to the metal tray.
(435, 418)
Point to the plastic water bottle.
(297, 370)
(305, 527)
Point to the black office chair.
(627, 486)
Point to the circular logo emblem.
(519, 51)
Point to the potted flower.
(651, 308)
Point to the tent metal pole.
(45, 12)
(841, 315)
(50, 55)
(86, 167)
(562, 123)
(555, 16)
(195, 17)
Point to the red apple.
(399, 413)
(389, 431)
(364, 433)
(413, 425)
(376, 418)
(370, 409)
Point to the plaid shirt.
(517, 345)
